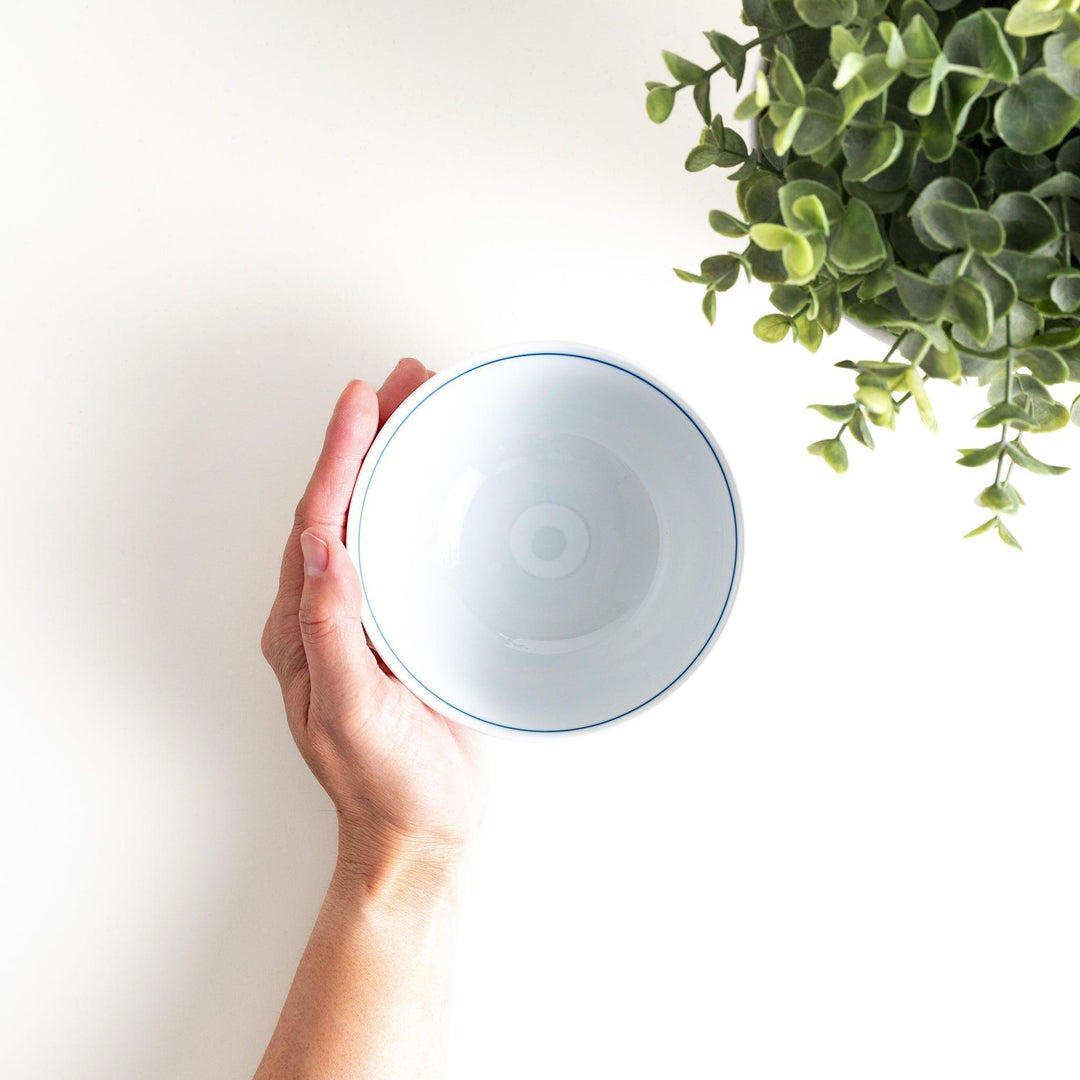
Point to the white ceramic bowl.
(548, 539)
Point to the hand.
(408, 785)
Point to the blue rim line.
(734, 563)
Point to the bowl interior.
(546, 541)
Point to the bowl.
(548, 540)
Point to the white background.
(846, 847)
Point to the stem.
(709, 72)
(964, 263)
(1064, 206)
(1008, 400)
(895, 345)
(762, 38)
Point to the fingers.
(325, 502)
(341, 667)
(348, 436)
(401, 382)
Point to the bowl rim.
(477, 360)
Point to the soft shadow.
(212, 467)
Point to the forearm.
(371, 995)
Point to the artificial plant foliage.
(913, 165)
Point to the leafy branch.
(912, 168)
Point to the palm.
(374, 746)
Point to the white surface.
(565, 559)
(847, 850)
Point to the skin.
(371, 994)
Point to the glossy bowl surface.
(548, 539)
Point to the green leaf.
(758, 197)
(731, 53)
(1074, 412)
(821, 122)
(998, 497)
(701, 157)
(925, 299)
(786, 81)
(1059, 52)
(895, 54)
(1009, 171)
(772, 328)
(708, 305)
(1026, 461)
(1046, 365)
(859, 429)
(942, 363)
(835, 453)
(808, 332)
(701, 100)
(1006, 413)
(995, 55)
(1062, 183)
(772, 237)
(685, 275)
(1007, 536)
(969, 304)
(947, 189)
(1027, 18)
(839, 414)
(997, 283)
(809, 210)
(920, 46)
(789, 299)
(820, 13)
(937, 135)
(869, 82)
(686, 71)
(856, 244)
(727, 225)
(914, 382)
(1049, 415)
(798, 252)
(1044, 413)
(720, 271)
(924, 95)
(1029, 225)
(982, 456)
(829, 307)
(954, 226)
(788, 120)
(841, 42)
(728, 138)
(1031, 273)
(659, 103)
(803, 258)
(871, 153)
(748, 108)
(745, 170)
(1036, 113)
(1065, 290)
(795, 190)
(984, 527)
(876, 399)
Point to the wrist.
(397, 869)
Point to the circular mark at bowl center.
(549, 540)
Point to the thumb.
(340, 664)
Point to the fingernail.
(316, 554)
